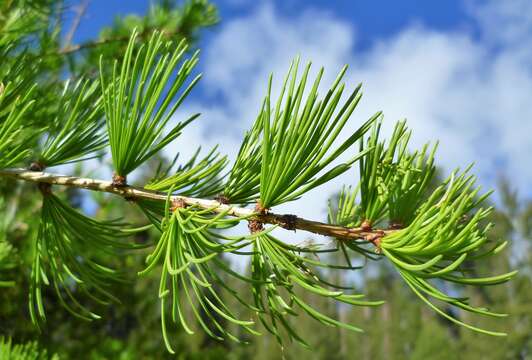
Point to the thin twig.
(77, 47)
(287, 221)
(92, 44)
(80, 10)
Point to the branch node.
(130, 198)
(261, 209)
(255, 226)
(178, 203)
(45, 188)
(366, 225)
(119, 180)
(222, 199)
(375, 238)
(37, 166)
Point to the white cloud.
(504, 23)
(472, 93)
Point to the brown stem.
(286, 221)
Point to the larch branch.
(287, 221)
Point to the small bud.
(222, 199)
(261, 209)
(255, 226)
(37, 166)
(366, 225)
(178, 203)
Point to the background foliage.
(403, 326)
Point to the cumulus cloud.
(504, 23)
(470, 92)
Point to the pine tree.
(126, 108)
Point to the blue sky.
(373, 19)
(460, 71)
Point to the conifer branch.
(133, 193)
(427, 234)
